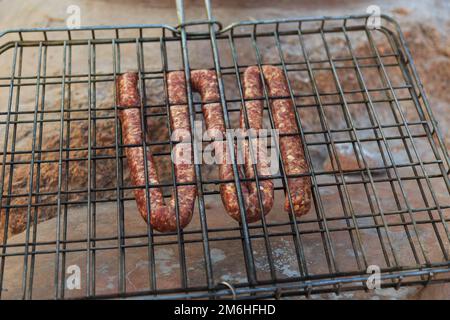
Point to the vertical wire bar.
(344, 195)
(348, 201)
(119, 182)
(361, 250)
(67, 171)
(198, 174)
(89, 267)
(293, 220)
(248, 251)
(294, 223)
(122, 181)
(13, 143)
(60, 156)
(372, 115)
(327, 241)
(31, 181)
(118, 51)
(92, 67)
(150, 232)
(5, 151)
(398, 107)
(253, 157)
(331, 150)
(38, 173)
(180, 236)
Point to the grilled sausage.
(205, 82)
(162, 217)
(291, 147)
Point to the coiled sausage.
(205, 82)
(162, 217)
(291, 147)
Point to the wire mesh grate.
(379, 167)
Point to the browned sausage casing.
(162, 217)
(205, 82)
(291, 147)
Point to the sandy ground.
(426, 25)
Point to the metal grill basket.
(354, 88)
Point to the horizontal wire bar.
(279, 234)
(241, 69)
(246, 138)
(230, 109)
(350, 174)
